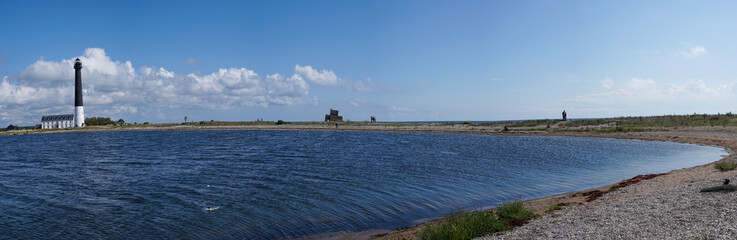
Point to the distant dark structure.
(373, 119)
(10, 128)
(565, 116)
(333, 116)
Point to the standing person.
(336, 124)
(565, 115)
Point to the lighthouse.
(78, 108)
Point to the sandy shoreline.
(723, 137)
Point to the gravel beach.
(680, 212)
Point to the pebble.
(680, 212)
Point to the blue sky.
(159, 61)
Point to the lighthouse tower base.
(78, 116)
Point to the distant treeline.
(98, 121)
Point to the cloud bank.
(328, 78)
(638, 90)
(115, 88)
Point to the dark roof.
(58, 117)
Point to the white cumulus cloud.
(322, 77)
(328, 78)
(114, 88)
(692, 52)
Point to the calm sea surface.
(242, 184)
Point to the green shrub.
(463, 225)
(513, 210)
(725, 166)
(280, 122)
(98, 121)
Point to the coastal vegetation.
(463, 225)
(727, 119)
(554, 208)
(603, 125)
(621, 124)
(725, 166)
(98, 121)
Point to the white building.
(57, 121)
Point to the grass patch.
(531, 129)
(462, 225)
(624, 129)
(554, 208)
(725, 166)
(617, 124)
(513, 211)
(695, 119)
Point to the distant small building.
(333, 116)
(10, 128)
(57, 121)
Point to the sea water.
(249, 184)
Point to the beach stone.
(722, 188)
(681, 212)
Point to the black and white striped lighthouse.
(78, 108)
